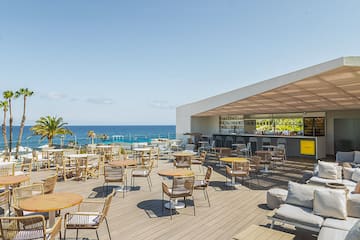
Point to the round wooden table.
(184, 154)
(123, 163)
(176, 172)
(50, 203)
(233, 160)
(12, 180)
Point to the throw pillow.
(328, 170)
(354, 233)
(348, 172)
(356, 175)
(330, 203)
(300, 194)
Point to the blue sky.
(133, 62)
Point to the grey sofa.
(348, 157)
(299, 212)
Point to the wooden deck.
(139, 215)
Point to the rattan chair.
(90, 215)
(28, 228)
(182, 187)
(5, 203)
(255, 167)
(143, 172)
(203, 184)
(183, 162)
(239, 170)
(114, 174)
(65, 169)
(49, 184)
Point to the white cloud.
(54, 96)
(161, 104)
(100, 100)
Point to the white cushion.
(356, 175)
(300, 194)
(341, 224)
(330, 203)
(348, 172)
(354, 233)
(328, 170)
(356, 157)
(319, 180)
(299, 215)
(327, 233)
(353, 205)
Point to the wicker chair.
(239, 170)
(87, 218)
(5, 202)
(143, 172)
(28, 227)
(203, 184)
(114, 174)
(182, 187)
(49, 184)
(255, 167)
(199, 160)
(65, 169)
(183, 162)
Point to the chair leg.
(207, 196)
(107, 225)
(64, 233)
(149, 183)
(77, 233)
(193, 203)
(97, 235)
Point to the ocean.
(122, 133)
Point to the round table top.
(233, 159)
(142, 149)
(104, 146)
(50, 202)
(175, 172)
(81, 155)
(183, 154)
(123, 163)
(53, 150)
(9, 180)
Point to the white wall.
(205, 125)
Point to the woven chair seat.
(140, 173)
(30, 234)
(76, 221)
(196, 161)
(200, 184)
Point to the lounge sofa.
(319, 209)
(348, 157)
(326, 172)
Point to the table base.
(174, 205)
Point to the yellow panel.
(307, 147)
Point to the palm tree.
(91, 134)
(25, 93)
(48, 127)
(4, 106)
(8, 95)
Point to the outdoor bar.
(314, 111)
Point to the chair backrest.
(184, 183)
(24, 227)
(27, 191)
(184, 161)
(106, 207)
(5, 202)
(7, 168)
(111, 172)
(49, 184)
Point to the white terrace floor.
(139, 215)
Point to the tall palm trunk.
(21, 129)
(3, 126)
(10, 127)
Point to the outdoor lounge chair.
(114, 174)
(143, 172)
(90, 215)
(203, 184)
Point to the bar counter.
(296, 146)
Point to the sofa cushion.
(344, 156)
(353, 205)
(348, 172)
(319, 180)
(356, 175)
(341, 224)
(299, 215)
(354, 233)
(328, 170)
(330, 203)
(300, 194)
(331, 234)
(356, 157)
